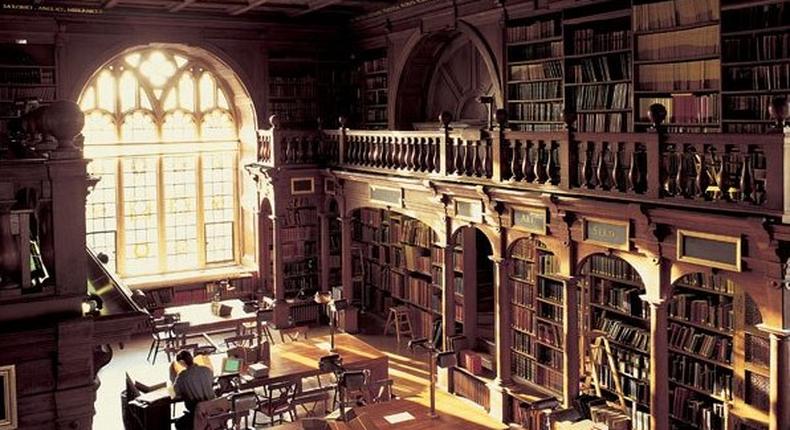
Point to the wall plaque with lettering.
(469, 209)
(532, 220)
(302, 185)
(388, 196)
(711, 250)
(609, 233)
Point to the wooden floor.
(408, 370)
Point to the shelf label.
(388, 196)
(710, 250)
(302, 185)
(532, 220)
(609, 233)
(471, 210)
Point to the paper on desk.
(399, 417)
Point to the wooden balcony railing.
(736, 171)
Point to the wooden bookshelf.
(398, 258)
(598, 78)
(677, 63)
(755, 63)
(612, 291)
(537, 305)
(375, 85)
(700, 343)
(300, 246)
(535, 73)
(27, 78)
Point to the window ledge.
(151, 282)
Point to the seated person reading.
(193, 385)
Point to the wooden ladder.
(599, 348)
(399, 317)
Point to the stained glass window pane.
(180, 212)
(179, 127)
(218, 195)
(208, 92)
(99, 128)
(139, 127)
(157, 68)
(128, 91)
(106, 90)
(218, 125)
(88, 100)
(140, 215)
(186, 92)
(100, 211)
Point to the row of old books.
(366, 233)
(523, 250)
(549, 333)
(300, 87)
(691, 340)
(414, 232)
(470, 387)
(522, 318)
(612, 267)
(695, 42)
(549, 311)
(423, 293)
(535, 90)
(375, 82)
(550, 290)
(691, 308)
(376, 97)
(710, 378)
(628, 363)
(683, 76)
(591, 97)
(688, 408)
(522, 342)
(684, 108)
(523, 294)
(298, 249)
(529, 369)
(300, 217)
(307, 283)
(674, 13)
(634, 389)
(774, 77)
(601, 69)
(16, 93)
(534, 31)
(536, 51)
(748, 107)
(304, 266)
(370, 217)
(625, 334)
(298, 233)
(716, 283)
(376, 115)
(602, 122)
(375, 65)
(548, 111)
(611, 417)
(758, 17)
(524, 270)
(548, 264)
(624, 299)
(756, 47)
(588, 41)
(32, 75)
(295, 111)
(529, 72)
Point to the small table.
(202, 320)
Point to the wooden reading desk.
(378, 413)
(202, 320)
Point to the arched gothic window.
(163, 136)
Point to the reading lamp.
(333, 306)
(350, 380)
(442, 359)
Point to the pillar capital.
(655, 303)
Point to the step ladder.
(399, 317)
(599, 350)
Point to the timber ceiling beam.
(109, 4)
(251, 4)
(182, 5)
(314, 6)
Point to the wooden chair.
(244, 341)
(277, 401)
(309, 400)
(240, 406)
(161, 331)
(178, 340)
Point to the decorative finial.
(569, 118)
(342, 121)
(274, 120)
(446, 118)
(657, 114)
(64, 120)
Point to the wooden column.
(265, 253)
(324, 252)
(470, 285)
(502, 318)
(779, 408)
(348, 317)
(282, 311)
(570, 359)
(448, 297)
(786, 179)
(659, 365)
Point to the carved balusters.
(587, 166)
(539, 163)
(527, 160)
(458, 156)
(601, 172)
(635, 172)
(618, 184)
(747, 177)
(391, 152)
(551, 165)
(513, 151)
